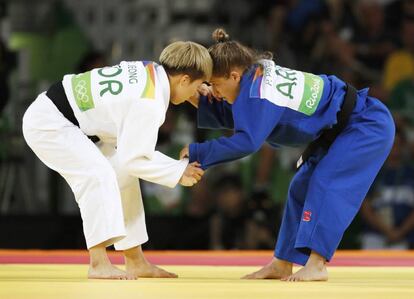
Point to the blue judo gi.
(285, 107)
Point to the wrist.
(192, 152)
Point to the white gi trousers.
(109, 199)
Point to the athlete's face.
(185, 89)
(226, 88)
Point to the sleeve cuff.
(202, 111)
(192, 149)
(182, 166)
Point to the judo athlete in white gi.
(124, 106)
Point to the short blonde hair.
(187, 58)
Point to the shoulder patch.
(255, 89)
(149, 89)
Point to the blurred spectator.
(228, 223)
(247, 204)
(91, 60)
(267, 182)
(372, 41)
(389, 208)
(264, 168)
(303, 21)
(158, 199)
(354, 42)
(302, 12)
(401, 100)
(400, 64)
(264, 217)
(7, 63)
(408, 7)
(333, 54)
(394, 10)
(277, 37)
(333, 51)
(202, 200)
(269, 172)
(341, 14)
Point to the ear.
(185, 80)
(234, 75)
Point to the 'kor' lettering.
(109, 72)
(113, 86)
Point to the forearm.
(160, 169)
(221, 150)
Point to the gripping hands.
(192, 175)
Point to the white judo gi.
(124, 106)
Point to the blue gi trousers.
(327, 191)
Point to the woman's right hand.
(208, 91)
(203, 90)
(192, 174)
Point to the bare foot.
(100, 266)
(138, 266)
(308, 273)
(108, 271)
(148, 270)
(314, 270)
(276, 269)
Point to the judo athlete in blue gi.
(350, 136)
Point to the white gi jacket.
(127, 104)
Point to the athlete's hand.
(204, 90)
(184, 153)
(208, 91)
(192, 174)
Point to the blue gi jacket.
(276, 105)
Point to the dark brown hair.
(228, 54)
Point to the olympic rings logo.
(81, 91)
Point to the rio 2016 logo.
(314, 95)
